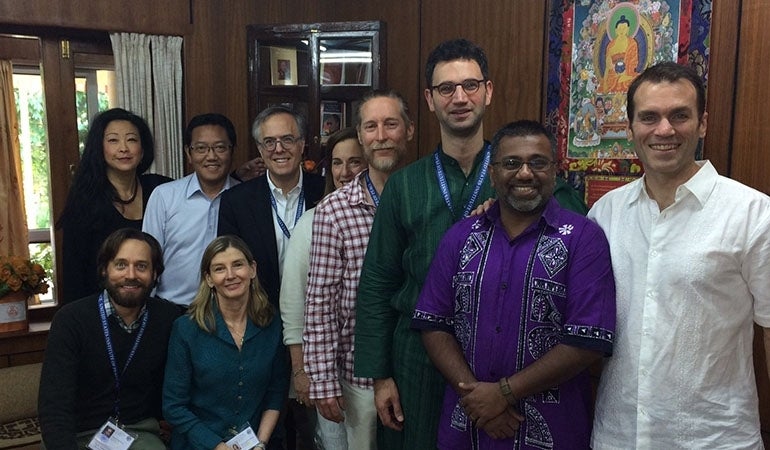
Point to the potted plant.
(20, 279)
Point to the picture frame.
(598, 185)
(283, 66)
(332, 118)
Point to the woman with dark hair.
(226, 367)
(109, 191)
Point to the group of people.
(454, 303)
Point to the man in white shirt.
(691, 256)
(183, 215)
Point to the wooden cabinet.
(319, 69)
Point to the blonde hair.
(258, 308)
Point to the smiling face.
(129, 276)
(347, 161)
(283, 164)
(523, 191)
(212, 168)
(230, 275)
(461, 113)
(665, 129)
(122, 146)
(383, 133)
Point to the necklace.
(236, 334)
(131, 199)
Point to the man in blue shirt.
(183, 216)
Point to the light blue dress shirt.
(184, 221)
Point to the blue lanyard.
(300, 209)
(111, 351)
(372, 190)
(444, 186)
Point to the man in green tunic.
(418, 204)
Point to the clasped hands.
(485, 405)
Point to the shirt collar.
(194, 185)
(699, 185)
(277, 191)
(110, 311)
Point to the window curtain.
(149, 76)
(14, 236)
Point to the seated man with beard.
(106, 353)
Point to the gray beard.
(525, 205)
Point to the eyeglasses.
(515, 164)
(448, 89)
(202, 149)
(287, 142)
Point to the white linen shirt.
(690, 280)
(184, 220)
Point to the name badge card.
(111, 437)
(244, 440)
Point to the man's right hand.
(331, 408)
(388, 404)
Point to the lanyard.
(444, 186)
(300, 209)
(111, 351)
(372, 190)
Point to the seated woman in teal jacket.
(226, 367)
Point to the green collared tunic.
(410, 221)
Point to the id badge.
(111, 436)
(246, 439)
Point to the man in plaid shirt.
(341, 229)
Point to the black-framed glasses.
(202, 149)
(534, 164)
(448, 88)
(287, 142)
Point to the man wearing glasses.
(418, 204)
(183, 215)
(264, 210)
(518, 302)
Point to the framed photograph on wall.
(283, 66)
(332, 118)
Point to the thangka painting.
(596, 48)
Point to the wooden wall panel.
(720, 91)
(513, 35)
(750, 163)
(215, 72)
(142, 16)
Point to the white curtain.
(149, 76)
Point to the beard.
(525, 206)
(129, 299)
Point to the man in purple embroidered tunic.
(519, 301)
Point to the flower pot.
(13, 312)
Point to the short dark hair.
(522, 128)
(209, 119)
(111, 246)
(270, 111)
(377, 93)
(452, 50)
(670, 72)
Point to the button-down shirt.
(286, 207)
(184, 221)
(110, 310)
(341, 229)
(691, 280)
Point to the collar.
(550, 215)
(446, 159)
(278, 192)
(110, 311)
(194, 185)
(700, 185)
(356, 191)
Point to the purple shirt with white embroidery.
(508, 302)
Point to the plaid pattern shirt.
(341, 229)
